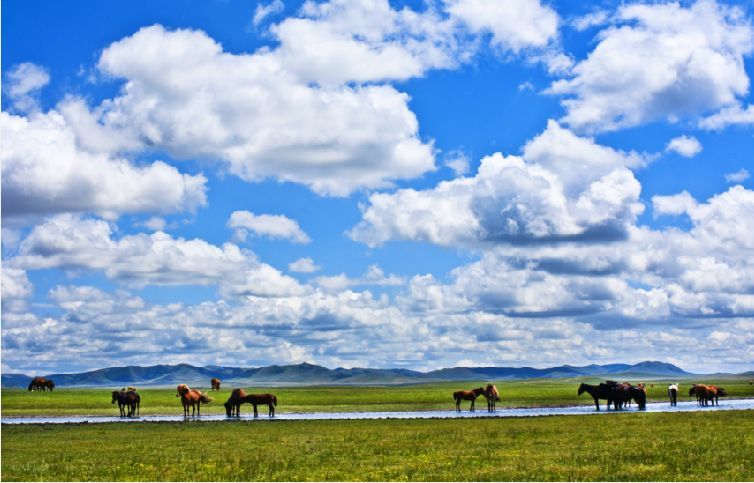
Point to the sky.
(365, 183)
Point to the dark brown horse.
(41, 384)
(615, 394)
(215, 383)
(127, 400)
(193, 398)
(467, 396)
(707, 394)
(492, 395)
(233, 404)
(239, 396)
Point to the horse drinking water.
(127, 400)
(239, 396)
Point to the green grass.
(421, 397)
(715, 446)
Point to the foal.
(467, 396)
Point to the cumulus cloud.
(674, 204)
(304, 265)
(22, 82)
(272, 226)
(185, 95)
(69, 242)
(563, 187)
(659, 61)
(44, 171)
(738, 177)
(686, 146)
(374, 276)
(16, 289)
(514, 25)
(729, 116)
(263, 11)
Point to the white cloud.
(16, 289)
(263, 11)
(156, 223)
(272, 226)
(70, 243)
(563, 187)
(23, 80)
(458, 162)
(593, 19)
(674, 204)
(660, 61)
(304, 265)
(185, 95)
(373, 276)
(686, 146)
(45, 171)
(514, 24)
(738, 177)
(727, 116)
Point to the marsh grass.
(419, 397)
(692, 446)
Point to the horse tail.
(274, 401)
(205, 399)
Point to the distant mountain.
(310, 374)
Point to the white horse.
(673, 394)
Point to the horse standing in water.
(239, 396)
(215, 383)
(127, 400)
(615, 394)
(467, 396)
(492, 395)
(193, 398)
(673, 394)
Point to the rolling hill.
(310, 374)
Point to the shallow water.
(728, 404)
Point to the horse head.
(115, 396)
(478, 391)
(721, 392)
(692, 391)
(182, 389)
(582, 388)
(228, 408)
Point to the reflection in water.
(728, 404)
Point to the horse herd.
(617, 394)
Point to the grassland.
(715, 446)
(421, 397)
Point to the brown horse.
(41, 384)
(239, 396)
(467, 396)
(127, 400)
(215, 382)
(193, 398)
(492, 395)
(233, 404)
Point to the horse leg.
(256, 414)
(472, 405)
(458, 405)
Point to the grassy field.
(715, 446)
(422, 397)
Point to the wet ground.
(725, 405)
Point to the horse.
(239, 396)
(215, 383)
(639, 395)
(673, 394)
(193, 398)
(234, 402)
(41, 384)
(467, 396)
(714, 394)
(612, 391)
(127, 400)
(492, 395)
(704, 394)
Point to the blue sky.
(373, 183)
